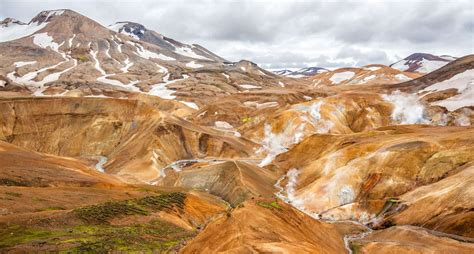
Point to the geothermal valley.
(117, 139)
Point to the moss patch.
(96, 235)
(103, 213)
(82, 58)
(13, 194)
(14, 235)
(52, 208)
(272, 205)
(11, 182)
(355, 247)
(156, 236)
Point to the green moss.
(11, 182)
(355, 247)
(53, 208)
(16, 234)
(271, 205)
(103, 213)
(155, 236)
(38, 199)
(82, 58)
(13, 194)
(151, 237)
(247, 119)
(97, 236)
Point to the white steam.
(407, 109)
(313, 116)
(287, 194)
(273, 144)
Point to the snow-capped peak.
(134, 30)
(303, 72)
(422, 62)
(46, 16)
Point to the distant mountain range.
(417, 62)
(303, 72)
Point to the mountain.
(370, 74)
(139, 32)
(283, 72)
(303, 72)
(62, 52)
(422, 62)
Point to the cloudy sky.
(285, 34)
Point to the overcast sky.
(279, 34)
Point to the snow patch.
(366, 79)
(223, 125)
(144, 53)
(248, 86)
(162, 91)
(190, 104)
(463, 83)
(70, 40)
(162, 69)
(20, 64)
(104, 78)
(341, 76)
(192, 64)
(43, 40)
(402, 77)
(16, 31)
(372, 68)
(188, 52)
(261, 105)
(128, 64)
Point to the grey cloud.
(290, 33)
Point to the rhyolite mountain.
(422, 62)
(140, 32)
(119, 139)
(62, 52)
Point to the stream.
(347, 238)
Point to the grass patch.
(272, 205)
(103, 213)
(13, 194)
(10, 182)
(52, 208)
(355, 247)
(151, 237)
(38, 199)
(82, 58)
(16, 234)
(148, 190)
(247, 119)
